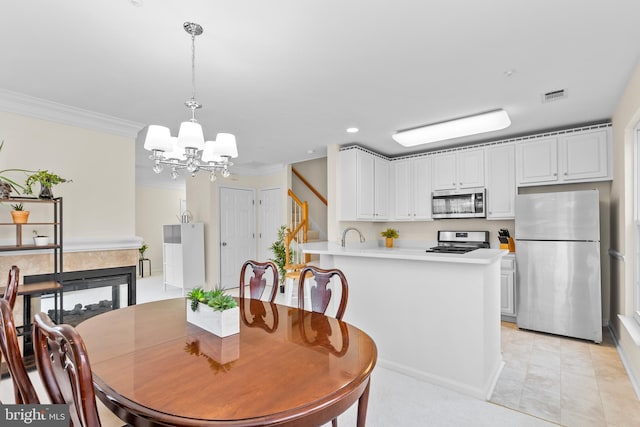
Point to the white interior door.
(237, 233)
(269, 221)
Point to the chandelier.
(188, 150)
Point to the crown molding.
(262, 170)
(18, 103)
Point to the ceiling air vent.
(555, 95)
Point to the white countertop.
(479, 256)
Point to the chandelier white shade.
(465, 126)
(188, 150)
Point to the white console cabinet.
(183, 255)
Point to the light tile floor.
(547, 381)
(567, 381)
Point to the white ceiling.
(289, 76)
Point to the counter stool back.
(25, 394)
(320, 295)
(63, 365)
(257, 282)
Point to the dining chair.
(25, 393)
(63, 365)
(320, 295)
(11, 291)
(258, 283)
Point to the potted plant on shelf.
(389, 234)
(142, 249)
(214, 311)
(46, 180)
(19, 215)
(7, 185)
(40, 240)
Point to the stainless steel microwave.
(466, 203)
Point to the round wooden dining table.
(286, 367)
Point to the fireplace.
(87, 292)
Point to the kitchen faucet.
(344, 234)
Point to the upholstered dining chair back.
(11, 291)
(320, 294)
(257, 282)
(22, 386)
(63, 365)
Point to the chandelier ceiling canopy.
(189, 150)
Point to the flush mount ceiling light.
(352, 130)
(189, 150)
(465, 126)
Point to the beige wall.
(99, 201)
(625, 119)
(98, 204)
(314, 171)
(156, 207)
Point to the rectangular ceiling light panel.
(471, 125)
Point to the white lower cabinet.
(508, 286)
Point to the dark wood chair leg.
(334, 422)
(363, 402)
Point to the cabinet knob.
(555, 174)
(224, 243)
(566, 173)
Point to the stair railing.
(297, 232)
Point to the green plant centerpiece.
(215, 311)
(389, 234)
(46, 180)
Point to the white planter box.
(220, 323)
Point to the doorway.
(237, 233)
(269, 220)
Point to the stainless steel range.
(460, 242)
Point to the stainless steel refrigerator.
(558, 263)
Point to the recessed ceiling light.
(465, 126)
(311, 151)
(352, 130)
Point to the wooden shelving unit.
(32, 289)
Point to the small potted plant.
(40, 240)
(46, 180)
(142, 249)
(19, 215)
(389, 234)
(214, 311)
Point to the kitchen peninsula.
(433, 316)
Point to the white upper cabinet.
(584, 156)
(501, 181)
(412, 189)
(458, 169)
(363, 186)
(572, 157)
